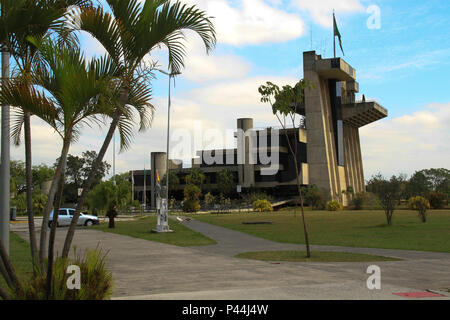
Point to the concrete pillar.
(246, 170)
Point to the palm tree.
(129, 33)
(22, 19)
(78, 93)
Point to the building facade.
(328, 146)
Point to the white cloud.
(237, 94)
(250, 22)
(408, 143)
(321, 11)
(201, 67)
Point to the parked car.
(65, 218)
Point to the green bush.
(359, 199)
(251, 197)
(262, 206)
(192, 192)
(314, 198)
(438, 200)
(334, 205)
(191, 205)
(420, 204)
(96, 280)
(209, 200)
(39, 201)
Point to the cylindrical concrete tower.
(246, 170)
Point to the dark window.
(62, 212)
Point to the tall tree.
(284, 103)
(24, 19)
(129, 33)
(76, 93)
(225, 182)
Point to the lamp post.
(171, 75)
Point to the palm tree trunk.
(88, 183)
(9, 267)
(29, 177)
(57, 204)
(48, 207)
(4, 295)
(51, 245)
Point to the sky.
(399, 48)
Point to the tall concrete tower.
(333, 119)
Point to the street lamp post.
(166, 207)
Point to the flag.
(337, 33)
(157, 176)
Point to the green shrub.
(251, 197)
(96, 280)
(191, 205)
(438, 200)
(192, 192)
(39, 201)
(420, 204)
(314, 198)
(359, 199)
(334, 205)
(209, 199)
(262, 206)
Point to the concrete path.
(150, 270)
(230, 242)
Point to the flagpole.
(334, 35)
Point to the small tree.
(191, 201)
(209, 200)
(195, 177)
(285, 103)
(225, 182)
(388, 191)
(420, 204)
(359, 199)
(174, 181)
(438, 200)
(314, 198)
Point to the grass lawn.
(346, 228)
(316, 256)
(20, 255)
(141, 227)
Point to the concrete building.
(329, 150)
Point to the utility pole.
(5, 159)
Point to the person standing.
(111, 214)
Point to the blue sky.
(404, 65)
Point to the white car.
(65, 216)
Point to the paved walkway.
(230, 242)
(150, 270)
